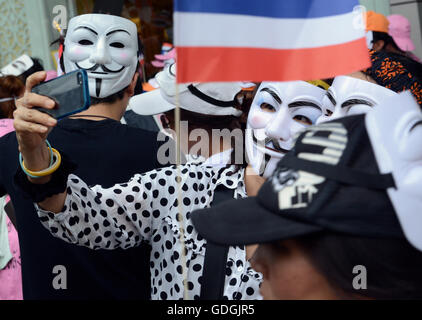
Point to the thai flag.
(272, 40)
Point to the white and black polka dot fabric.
(145, 209)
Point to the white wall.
(381, 6)
(26, 27)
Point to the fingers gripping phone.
(70, 92)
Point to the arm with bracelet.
(37, 158)
(46, 177)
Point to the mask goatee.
(98, 86)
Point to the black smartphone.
(70, 92)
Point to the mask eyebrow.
(118, 30)
(416, 125)
(88, 28)
(20, 62)
(273, 94)
(330, 96)
(304, 104)
(352, 102)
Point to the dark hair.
(10, 86)
(35, 68)
(388, 40)
(208, 122)
(393, 265)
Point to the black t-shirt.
(138, 121)
(107, 152)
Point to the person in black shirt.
(107, 152)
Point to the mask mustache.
(103, 67)
(276, 144)
(267, 140)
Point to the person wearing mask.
(148, 208)
(107, 152)
(22, 67)
(339, 217)
(356, 93)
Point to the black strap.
(10, 211)
(196, 92)
(214, 274)
(341, 174)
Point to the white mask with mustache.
(351, 96)
(106, 47)
(395, 131)
(278, 112)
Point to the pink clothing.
(6, 126)
(11, 275)
(400, 29)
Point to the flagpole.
(179, 194)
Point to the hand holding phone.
(70, 92)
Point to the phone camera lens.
(79, 78)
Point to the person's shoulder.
(140, 131)
(8, 140)
(9, 152)
(137, 134)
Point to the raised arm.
(32, 128)
(121, 216)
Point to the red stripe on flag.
(219, 64)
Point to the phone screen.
(70, 92)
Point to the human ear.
(379, 45)
(132, 85)
(259, 260)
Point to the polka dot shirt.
(146, 209)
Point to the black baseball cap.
(329, 181)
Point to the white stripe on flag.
(225, 30)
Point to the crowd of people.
(328, 178)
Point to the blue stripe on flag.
(288, 9)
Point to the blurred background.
(26, 25)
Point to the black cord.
(91, 115)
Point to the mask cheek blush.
(257, 120)
(77, 53)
